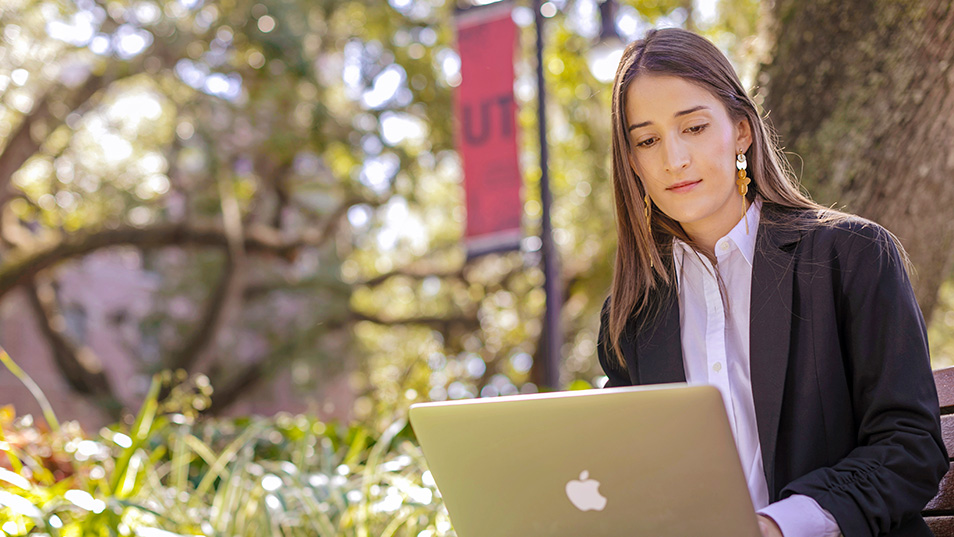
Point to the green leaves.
(35, 390)
(291, 475)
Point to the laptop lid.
(656, 460)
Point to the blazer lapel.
(770, 334)
(659, 346)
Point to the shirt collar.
(745, 242)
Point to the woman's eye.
(646, 143)
(698, 128)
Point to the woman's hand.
(769, 527)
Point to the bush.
(168, 474)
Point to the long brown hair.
(644, 271)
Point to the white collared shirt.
(714, 325)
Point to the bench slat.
(941, 526)
(937, 513)
(944, 501)
(944, 379)
(947, 432)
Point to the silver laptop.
(657, 461)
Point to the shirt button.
(725, 245)
(717, 367)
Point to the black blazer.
(845, 401)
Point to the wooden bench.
(939, 512)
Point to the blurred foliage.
(941, 330)
(319, 132)
(166, 474)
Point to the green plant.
(170, 474)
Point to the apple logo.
(585, 493)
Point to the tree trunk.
(861, 91)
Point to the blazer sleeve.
(615, 371)
(900, 456)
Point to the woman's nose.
(677, 156)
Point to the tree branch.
(80, 366)
(434, 321)
(22, 265)
(207, 328)
(428, 267)
(414, 272)
(254, 374)
(258, 290)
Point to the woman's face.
(684, 147)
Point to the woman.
(804, 317)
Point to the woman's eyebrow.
(677, 114)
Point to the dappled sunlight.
(286, 176)
(329, 126)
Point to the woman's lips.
(684, 186)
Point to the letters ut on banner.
(487, 129)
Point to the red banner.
(487, 129)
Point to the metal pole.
(553, 335)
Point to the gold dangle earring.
(649, 227)
(646, 202)
(743, 183)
